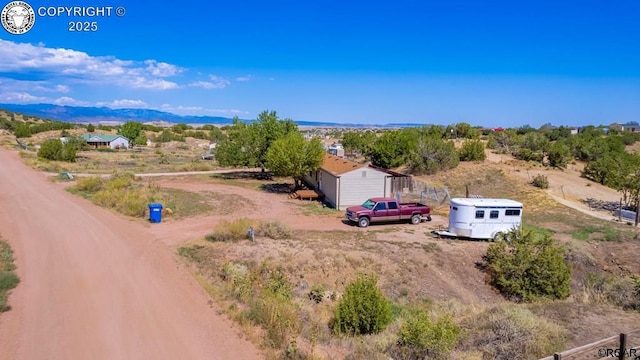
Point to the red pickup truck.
(387, 210)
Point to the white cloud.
(157, 84)
(162, 68)
(215, 82)
(62, 88)
(244, 78)
(29, 59)
(21, 98)
(203, 84)
(123, 103)
(65, 100)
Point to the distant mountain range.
(81, 114)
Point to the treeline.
(423, 150)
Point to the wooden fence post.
(623, 345)
(557, 356)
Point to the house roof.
(338, 166)
(101, 137)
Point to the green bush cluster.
(363, 309)
(54, 149)
(472, 150)
(540, 181)
(528, 266)
(421, 338)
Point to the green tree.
(359, 141)
(294, 156)
(132, 130)
(528, 266)
(91, 128)
(53, 149)
(559, 155)
(472, 150)
(432, 155)
(363, 309)
(247, 144)
(393, 148)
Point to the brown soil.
(96, 285)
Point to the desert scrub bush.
(540, 181)
(238, 230)
(230, 230)
(89, 185)
(8, 279)
(363, 309)
(619, 291)
(54, 149)
(268, 294)
(512, 332)
(527, 266)
(472, 150)
(528, 155)
(421, 338)
(273, 230)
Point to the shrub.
(511, 332)
(619, 291)
(91, 128)
(421, 338)
(472, 150)
(54, 150)
(230, 231)
(273, 230)
(89, 185)
(528, 155)
(540, 181)
(363, 309)
(50, 149)
(529, 267)
(22, 130)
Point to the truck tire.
(428, 217)
(416, 219)
(363, 222)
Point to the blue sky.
(491, 63)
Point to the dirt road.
(97, 286)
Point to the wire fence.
(407, 189)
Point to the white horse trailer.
(479, 218)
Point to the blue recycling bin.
(155, 213)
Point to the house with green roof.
(101, 141)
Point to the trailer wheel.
(363, 222)
(415, 219)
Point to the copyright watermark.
(18, 17)
(633, 354)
